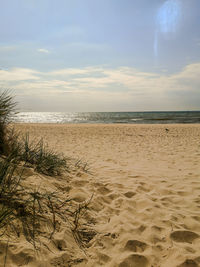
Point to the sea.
(109, 117)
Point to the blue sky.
(101, 55)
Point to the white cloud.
(42, 50)
(18, 74)
(69, 71)
(101, 88)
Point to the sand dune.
(145, 182)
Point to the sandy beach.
(145, 183)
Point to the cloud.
(99, 88)
(7, 48)
(70, 71)
(42, 50)
(18, 74)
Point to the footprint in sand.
(183, 193)
(134, 260)
(197, 218)
(28, 172)
(118, 202)
(22, 258)
(188, 263)
(134, 176)
(103, 190)
(183, 236)
(103, 258)
(129, 194)
(64, 260)
(141, 229)
(79, 197)
(135, 246)
(197, 259)
(113, 196)
(143, 188)
(60, 244)
(156, 229)
(80, 183)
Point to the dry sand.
(146, 204)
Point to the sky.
(101, 55)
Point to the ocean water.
(109, 117)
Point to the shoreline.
(103, 124)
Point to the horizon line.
(111, 111)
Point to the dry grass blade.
(5, 259)
(82, 166)
(53, 216)
(82, 235)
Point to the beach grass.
(24, 210)
(44, 160)
(7, 108)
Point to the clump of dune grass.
(82, 166)
(7, 108)
(9, 190)
(35, 154)
(23, 210)
(19, 205)
(43, 159)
